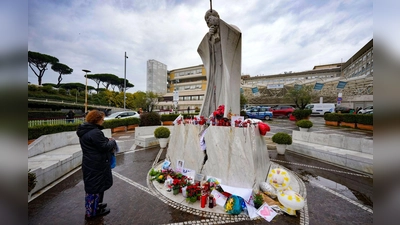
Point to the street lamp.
(125, 79)
(86, 71)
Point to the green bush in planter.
(333, 117)
(282, 138)
(349, 118)
(301, 113)
(161, 132)
(304, 123)
(366, 119)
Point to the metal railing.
(32, 123)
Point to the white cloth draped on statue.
(222, 62)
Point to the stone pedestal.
(238, 156)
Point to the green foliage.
(243, 113)
(282, 138)
(161, 132)
(366, 119)
(49, 89)
(37, 131)
(349, 118)
(258, 200)
(301, 113)
(169, 117)
(243, 100)
(40, 61)
(31, 180)
(62, 91)
(333, 117)
(301, 97)
(304, 123)
(150, 119)
(32, 87)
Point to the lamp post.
(125, 79)
(86, 71)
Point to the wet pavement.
(334, 195)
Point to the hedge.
(169, 117)
(366, 119)
(301, 113)
(333, 117)
(349, 118)
(37, 131)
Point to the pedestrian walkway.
(334, 195)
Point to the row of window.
(188, 87)
(186, 73)
(289, 79)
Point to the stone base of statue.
(237, 156)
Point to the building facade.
(156, 77)
(356, 72)
(190, 83)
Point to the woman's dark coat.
(96, 157)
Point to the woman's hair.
(94, 116)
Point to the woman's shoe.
(103, 212)
(102, 205)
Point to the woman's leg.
(91, 204)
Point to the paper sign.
(266, 212)
(179, 167)
(199, 177)
(234, 118)
(189, 173)
(245, 193)
(166, 165)
(220, 199)
(251, 210)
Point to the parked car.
(321, 108)
(343, 109)
(282, 110)
(123, 114)
(365, 110)
(262, 113)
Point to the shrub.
(301, 113)
(304, 123)
(243, 113)
(150, 119)
(162, 132)
(31, 180)
(169, 117)
(366, 119)
(282, 138)
(37, 131)
(349, 118)
(333, 117)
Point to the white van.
(321, 108)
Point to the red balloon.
(264, 128)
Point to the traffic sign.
(338, 102)
(339, 98)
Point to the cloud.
(277, 36)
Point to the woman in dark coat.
(97, 150)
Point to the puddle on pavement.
(351, 194)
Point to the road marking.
(133, 183)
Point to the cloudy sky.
(277, 36)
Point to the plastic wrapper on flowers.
(268, 189)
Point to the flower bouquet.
(193, 192)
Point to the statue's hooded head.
(211, 17)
